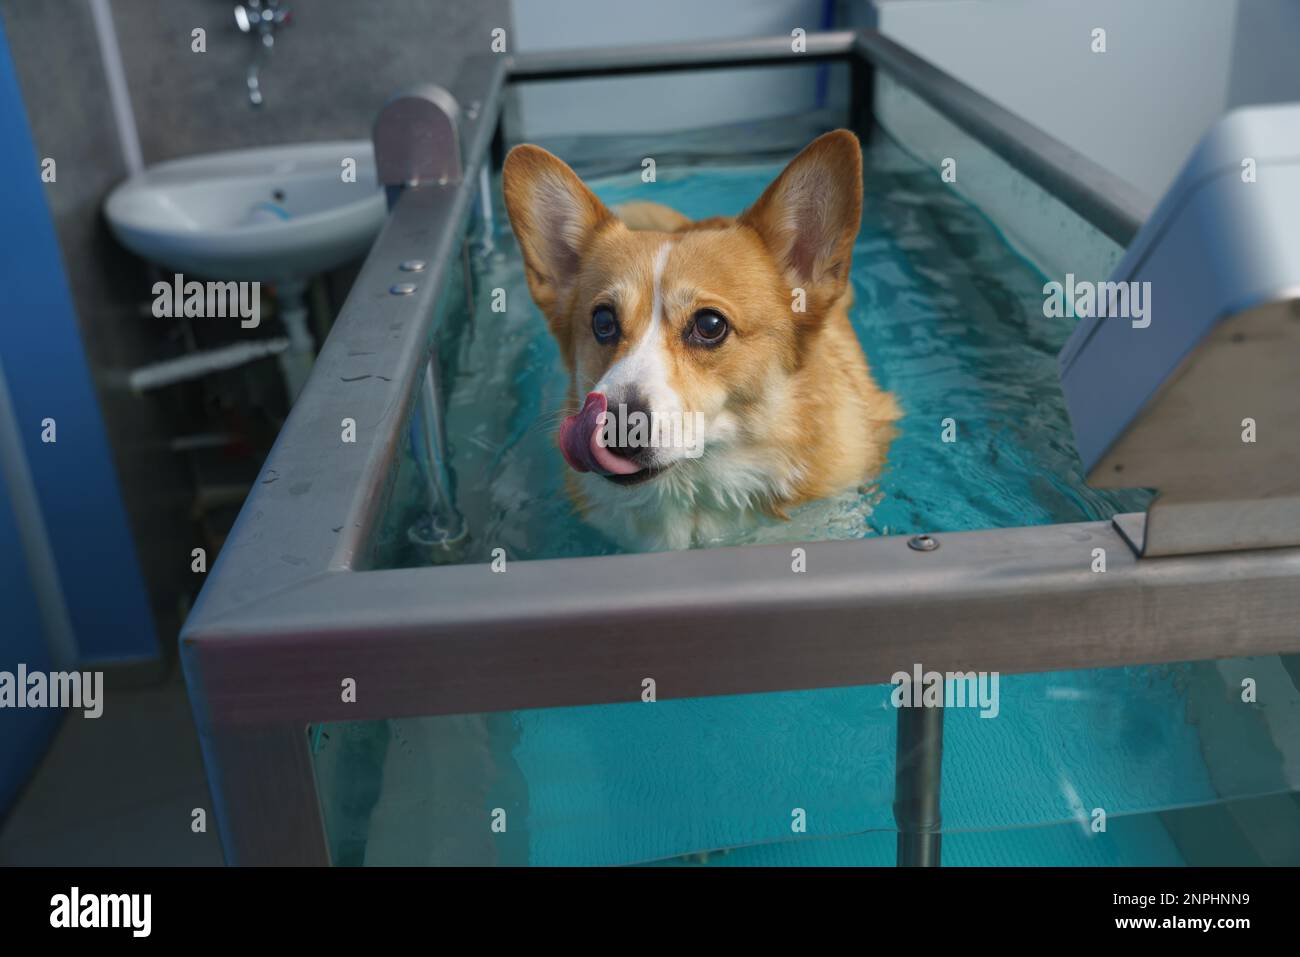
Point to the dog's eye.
(603, 324)
(709, 328)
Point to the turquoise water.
(951, 320)
(639, 783)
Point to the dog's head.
(684, 342)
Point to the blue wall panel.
(24, 733)
(45, 365)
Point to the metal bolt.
(413, 265)
(922, 543)
(403, 289)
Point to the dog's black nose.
(627, 430)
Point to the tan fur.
(789, 397)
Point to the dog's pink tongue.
(580, 441)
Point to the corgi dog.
(721, 380)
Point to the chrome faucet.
(259, 18)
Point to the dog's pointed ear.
(809, 216)
(554, 217)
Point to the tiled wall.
(332, 68)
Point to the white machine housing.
(1200, 399)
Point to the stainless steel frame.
(290, 610)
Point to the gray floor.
(118, 790)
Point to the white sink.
(276, 214)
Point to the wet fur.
(792, 412)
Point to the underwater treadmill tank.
(388, 667)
